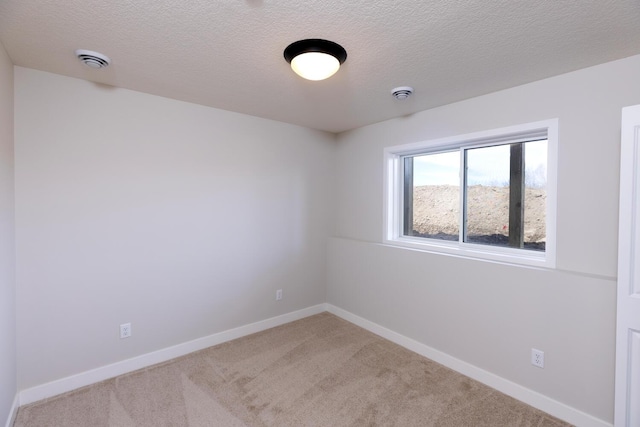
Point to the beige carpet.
(318, 371)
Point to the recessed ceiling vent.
(93, 59)
(401, 93)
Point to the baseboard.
(82, 379)
(530, 397)
(13, 412)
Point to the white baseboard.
(13, 412)
(82, 379)
(530, 397)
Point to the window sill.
(476, 252)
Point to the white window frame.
(394, 194)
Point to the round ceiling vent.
(402, 92)
(93, 59)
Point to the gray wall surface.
(178, 218)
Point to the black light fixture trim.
(315, 45)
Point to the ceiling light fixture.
(93, 59)
(315, 59)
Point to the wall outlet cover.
(125, 330)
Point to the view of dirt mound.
(436, 213)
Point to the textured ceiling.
(229, 53)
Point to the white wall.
(488, 314)
(7, 250)
(178, 218)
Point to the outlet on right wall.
(491, 315)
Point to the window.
(487, 195)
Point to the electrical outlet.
(278, 294)
(537, 358)
(125, 330)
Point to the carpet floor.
(318, 371)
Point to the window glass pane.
(436, 196)
(506, 207)
(535, 199)
(487, 196)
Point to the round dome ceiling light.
(401, 93)
(92, 59)
(315, 59)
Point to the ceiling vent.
(401, 93)
(93, 59)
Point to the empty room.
(322, 213)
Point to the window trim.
(394, 189)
